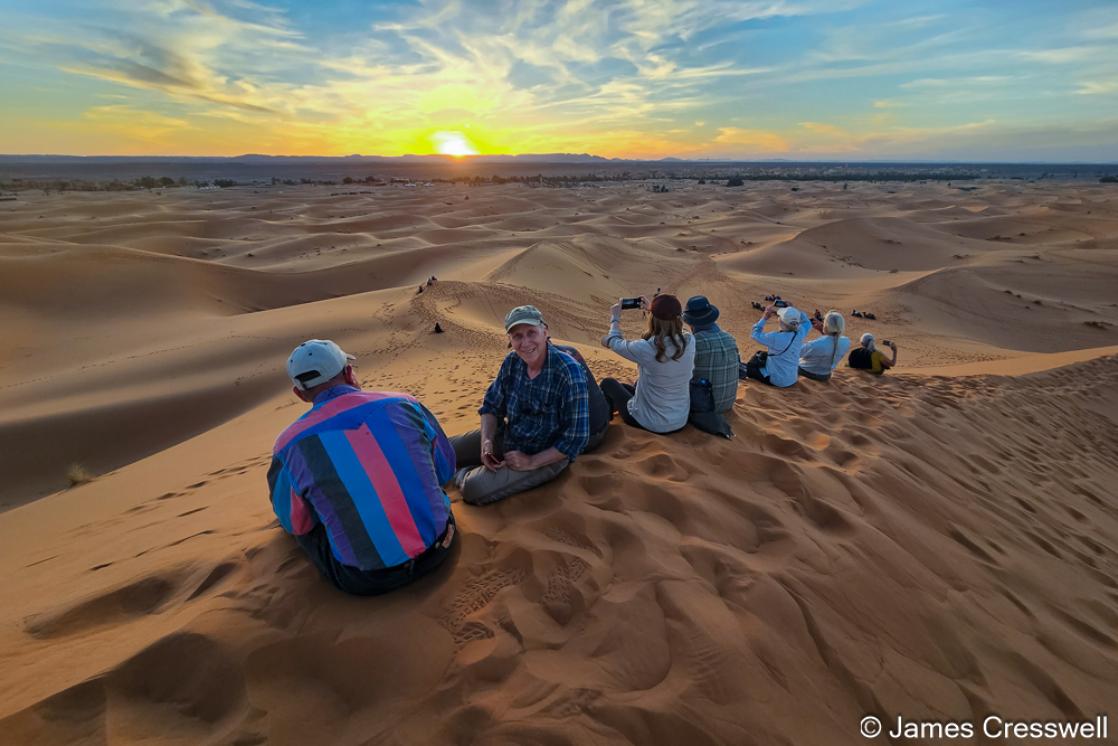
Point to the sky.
(737, 79)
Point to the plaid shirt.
(550, 410)
(716, 359)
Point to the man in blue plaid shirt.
(716, 352)
(535, 419)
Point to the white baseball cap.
(316, 361)
(790, 316)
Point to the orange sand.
(940, 543)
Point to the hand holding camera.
(628, 304)
(889, 343)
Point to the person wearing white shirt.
(778, 365)
(821, 356)
(665, 357)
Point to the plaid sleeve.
(494, 402)
(724, 377)
(704, 359)
(575, 417)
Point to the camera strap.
(793, 339)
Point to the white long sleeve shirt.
(663, 399)
(822, 355)
(782, 366)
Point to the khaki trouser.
(481, 486)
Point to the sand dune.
(939, 543)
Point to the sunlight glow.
(805, 80)
(453, 143)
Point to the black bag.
(702, 396)
(860, 358)
(752, 367)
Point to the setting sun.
(453, 143)
(285, 249)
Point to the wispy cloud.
(1097, 87)
(758, 141)
(960, 82)
(1068, 55)
(619, 77)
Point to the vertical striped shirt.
(370, 466)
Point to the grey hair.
(833, 326)
(868, 342)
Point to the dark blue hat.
(700, 311)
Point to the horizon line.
(589, 156)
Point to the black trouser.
(752, 369)
(814, 376)
(373, 582)
(618, 395)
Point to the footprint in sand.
(184, 682)
(475, 595)
(136, 599)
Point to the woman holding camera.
(665, 356)
(778, 364)
(868, 357)
(821, 356)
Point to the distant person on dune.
(357, 479)
(660, 402)
(714, 380)
(867, 357)
(778, 364)
(535, 418)
(819, 357)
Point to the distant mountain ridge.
(256, 168)
(281, 159)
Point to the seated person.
(716, 352)
(535, 418)
(357, 478)
(599, 406)
(868, 357)
(819, 357)
(660, 402)
(778, 364)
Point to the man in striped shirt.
(357, 480)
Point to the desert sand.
(940, 543)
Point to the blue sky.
(802, 79)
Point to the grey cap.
(524, 315)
